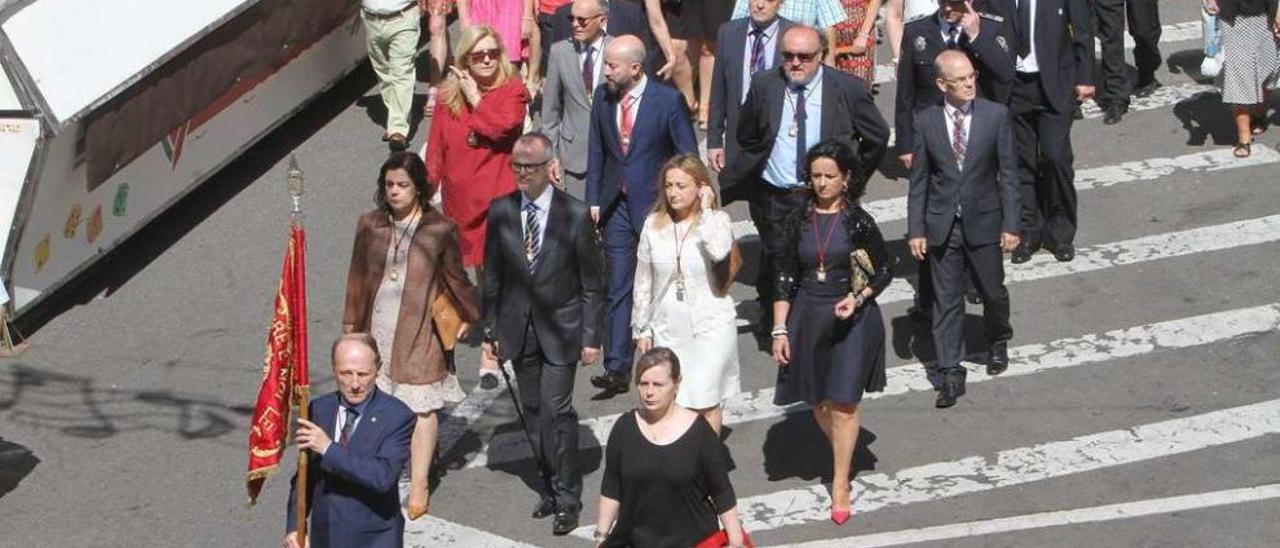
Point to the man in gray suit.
(573, 72)
(962, 210)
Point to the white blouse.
(708, 240)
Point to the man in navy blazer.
(637, 124)
(962, 210)
(359, 441)
(744, 47)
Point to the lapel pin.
(373, 419)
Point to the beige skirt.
(423, 398)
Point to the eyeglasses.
(527, 168)
(484, 55)
(582, 21)
(792, 56)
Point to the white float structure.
(112, 111)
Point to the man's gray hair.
(540, 138)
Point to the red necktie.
(625, 130)
(589, 72)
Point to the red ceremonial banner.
(284, 369)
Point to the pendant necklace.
(675, 231)
(395, 253)
(822, 244)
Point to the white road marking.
(1178, 32)
(1139, 171)
(1109, 512)
(1012, 467)
(1026, 360)
(430, 532)
(465, 414)
(1138, 250)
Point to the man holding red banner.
(359, 443)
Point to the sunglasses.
(791, 56)
(484, 56)
(582, 21)
(527, 168)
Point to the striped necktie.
(532, 242)
(348, 426)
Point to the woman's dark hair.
(845, 160)
(658, 356)
(417, 171)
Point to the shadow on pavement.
(784, 459)
(16, 462)
(75, 406)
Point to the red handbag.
(720, 539)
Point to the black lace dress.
(831, 359)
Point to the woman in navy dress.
(827, 339)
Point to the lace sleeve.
(642, 291)
(868, 238)
(715, 232)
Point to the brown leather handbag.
(444, 314)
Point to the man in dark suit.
(542, 310)
(1144, 26)
(956, 25)
(637, 124)
(744, 47)
(625, 17)
(574, 69)
(788, 110)
(359, 442)
(1053, 50)
(962, 210)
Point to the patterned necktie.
(627, 101)
(957, 137)
(1022, 28)
(532, 243)
(757, 50)
(589, 71)
(953, 37)
(802, 144)
(348, 426)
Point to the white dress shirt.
(543, 202)
(769, 48)
(385, 7)
(1028, 64)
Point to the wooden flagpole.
(302, 393)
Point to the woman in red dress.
(479, 115)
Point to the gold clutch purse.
(861, 270)
(447, 320)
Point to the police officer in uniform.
(955, 25)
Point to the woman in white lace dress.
(406, 254)
(680, 300)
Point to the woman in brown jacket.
(406, 254)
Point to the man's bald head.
(626, 48)
(803, 48)
(623, 63)
(956, 77)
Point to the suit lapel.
(831, 106)
(976, 131)
(640, 123)
(553, 241)
(777, 84)
(368, 427)
(733, 69)
(945, 135)
(513, 232)
(612, 135)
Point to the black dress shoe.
(1064, 253)
(1078, 114)
(1146, 86)
(919, 314)
(614, 383)
(1114, 114)
(397, 143)
(999, 360)
(952, 389)
(545, 507)
(1022, 253)
(488, 381)
(565, 523)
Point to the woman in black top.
(827, 339)
(666, 473)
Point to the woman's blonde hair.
(450, 94)
(692, 166)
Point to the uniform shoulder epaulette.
(918, 17)
(991, 16)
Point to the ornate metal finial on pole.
(296, 187)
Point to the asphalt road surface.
(1140, 408)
